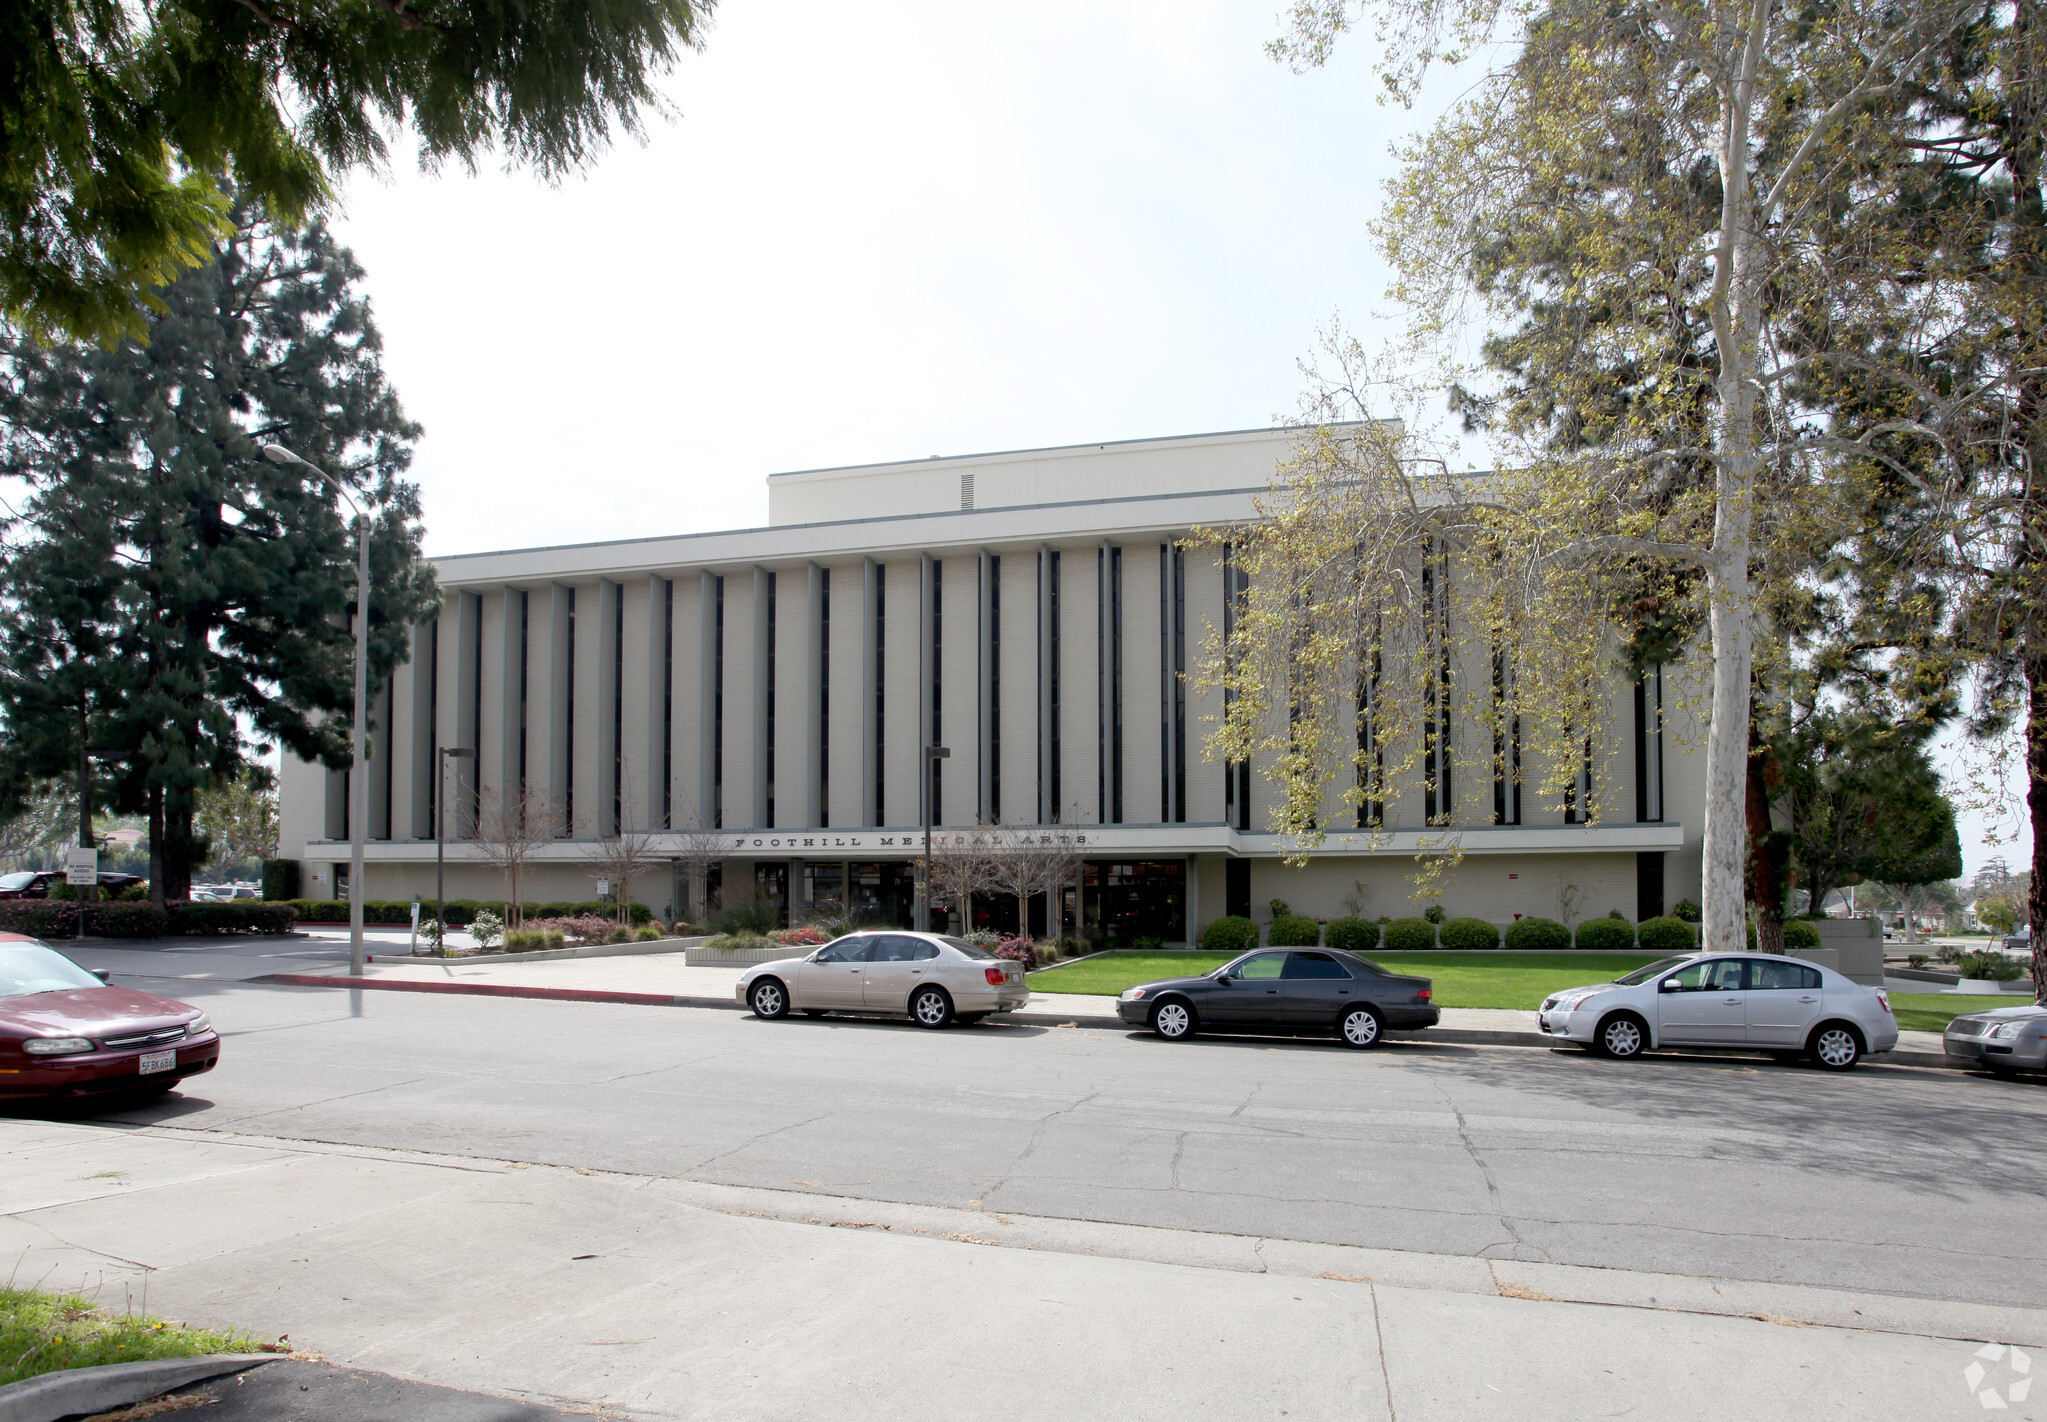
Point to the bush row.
(1668, 934)
(460, 911)
(144, 920)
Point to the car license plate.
(159, 1061)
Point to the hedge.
(1294, 931)
(1537, 935)
(1410, 935)
(460, 911)
(1232, 933)
(1665, 935)
(1606, 935)
(1800, 934)
(143, 920)
(1469, 933)
(281, 880)
(1352, 935)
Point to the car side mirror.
(103, 974)
(1222, 977)
(1670, 985)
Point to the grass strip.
(45, 1333)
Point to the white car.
(1782, 1006)
(931, 978)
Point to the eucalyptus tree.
(1665, 180)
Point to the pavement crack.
(755, 1140)
(1492, 1184)
(1030, 1147)
(1179, 1149)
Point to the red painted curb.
(635, 999)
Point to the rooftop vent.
(966, 491)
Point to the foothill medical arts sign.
(913, 840)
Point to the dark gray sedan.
(2003, 1039)
(1319, 992)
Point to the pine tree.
(182, 589)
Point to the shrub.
(743, 942)
(1799, 933)
(1917, 960)
(1147, 943)
(649, 935)
(280, 879)
(1434, 913)
(137, 920)
(431, 934)
(1687, 911)
(1992, 967)
(530, 940)
(808, 936)
(1537, 935)
(1352, 935)
(747, 918)
(1231, 933)
(1279, 908)
(1603, 935)
(241, 917)
(62, 891)
(1617, 914)
(1294, 931)
(486, 928)
(1018, 948)
(1409, 935)
(582, 928)
(1946, 953)
(1669, 934)
(1469, 933)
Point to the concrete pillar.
(461, 636)
(656, 793)
(1204, 617)
(511, 696)
(1021, 697)
(605, 811)
(1143, 764)
(554, 682)
(1080, 627)
(904, 699)
(960, 687)
(850, 682)
(413, 732)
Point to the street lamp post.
(441, 839)
(931, 753)
(358, 778)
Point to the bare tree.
(1024, 860)
(962, 865)
(699, 851)
(511, 826)
(624, 856)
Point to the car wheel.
(930, 1007)
(1362, 1026)
(768, 999)
(1174, 1020)
(1835, 1046)
(1622, 1036)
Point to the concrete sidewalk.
(665, 980)
(663, 1298)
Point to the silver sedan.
(2003, 1039)
(1763, 1003)
(931, 978)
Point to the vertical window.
(1055, 801)
(433, 721)
(824, 698)
(1439, 799)
(668, 704)
(1371, 754)
(475, 724)
(1506, 745)
(880, 688)
(525, 665)
(936, 777)
(1649, 748)
(718, 713)
(995, 689)
(618, 824)
(771, 703)
(1578, 792)
(1173, 632)
(1116, 685)
(1236, 774)
(569, 726)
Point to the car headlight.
(55, 1046)
(2005, 1029)
(199, 1025)
(1548, 1003)
(1132, 994)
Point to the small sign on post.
(414, 948)
(81, 867)
(604, 888)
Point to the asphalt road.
(1919, 1182)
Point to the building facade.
(1032, 612)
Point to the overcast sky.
(883, 232)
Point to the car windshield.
(972, 950)
(27, 968)
(1651, 970)
(17, 881)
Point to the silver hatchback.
(931, 978)
(2003, 1039)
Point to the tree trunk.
(2036, 788)
(156, 854)
(86, 840)
(1768, 852)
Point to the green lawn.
(1520, 980)
(42, 1333)
(1461, 979)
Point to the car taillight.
(1883, 1000)
(1425, 994)
(995, 976)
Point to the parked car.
(65, 1031)
(931, 978)
(1781, 1006)
(35, 883)
(1319, 992)
(2020, 942)
(2004, 1039)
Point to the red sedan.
(65, 1031)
